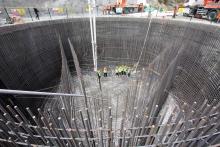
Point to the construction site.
(109, 80)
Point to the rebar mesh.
(172, 99)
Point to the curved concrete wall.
(30, 54)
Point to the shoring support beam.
(94, 33)
(92, 20)
(23, 92)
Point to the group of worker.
(119, 70)
(122, 70)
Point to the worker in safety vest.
(105, 71)
(99, 74)
(120, 70)
(129, 71)
(126, 70)
(123, 70)
(117, 71)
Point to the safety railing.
(13, 15)
(18, 15)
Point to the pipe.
(92, 34)
(22, 92)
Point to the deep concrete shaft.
(180, 61)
